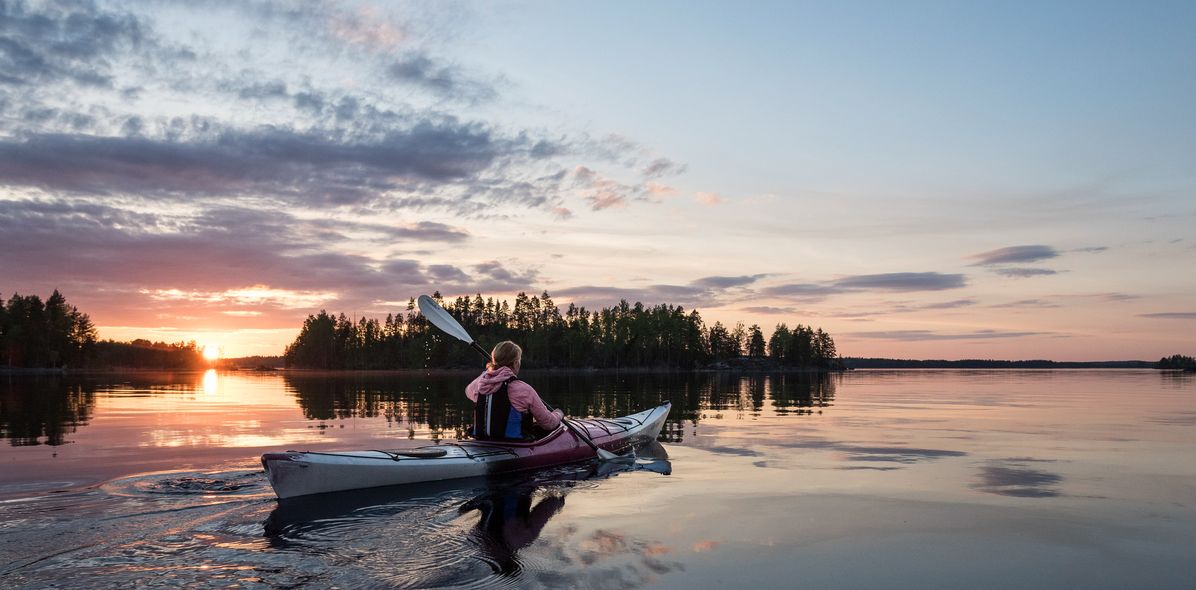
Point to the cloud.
(339, 229)
(717, 282)
(306, 167)
(769, 310)
(320, 142)
(1014, 255)
(147, 154)
(219, 256)
(601, 192)
(445, 81)
(909, 308)
(803, 291)
(494, 276)
(901, 282)
(928, 335)
(662, 167)
(250, 295)
(46, 43)
(1170, 315)
(1040, 303)
(898, 282)
(367, 28)
(1021, 273)
(709, 198)
(259, 90)
(957, 303)
(606, 200)
(657, 189)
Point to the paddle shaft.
(481, 351)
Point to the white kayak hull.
(295, 473)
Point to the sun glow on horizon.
(211, 352)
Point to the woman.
(504, 406)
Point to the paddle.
(449, 325)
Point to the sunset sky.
(920, 179)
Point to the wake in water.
(210, 529)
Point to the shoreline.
(461, 371)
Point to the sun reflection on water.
(211, 382)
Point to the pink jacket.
(523, 397)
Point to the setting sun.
(211, 352)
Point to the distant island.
(883, 363)
(625, 336)
(1178, 361)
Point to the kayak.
(301, 473)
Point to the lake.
(896, 479)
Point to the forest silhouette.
(54, 334)
(627, 335)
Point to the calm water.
(900, 479)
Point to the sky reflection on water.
(919, 479)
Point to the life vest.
(495, 419)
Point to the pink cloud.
(657, 189)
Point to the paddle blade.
(441, 319)
(606, 455)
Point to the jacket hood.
(493, 380)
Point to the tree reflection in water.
(438, 402)
(43, 410)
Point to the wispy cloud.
(445, 80)
(898, 282)
(1032, 303)
(929, 335)
(662, 167)
(1022, 273)
(769, 310)
(902, 281)
(1170, 315)
(601, 192)
(657, 189)
(932, 306)
(1014, 255)
(726, 282)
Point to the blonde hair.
(505, 354)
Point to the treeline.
(624, 336)
(1177, 361)
(46, 334)
(143, 354)
(55, 334)
(883, 363)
